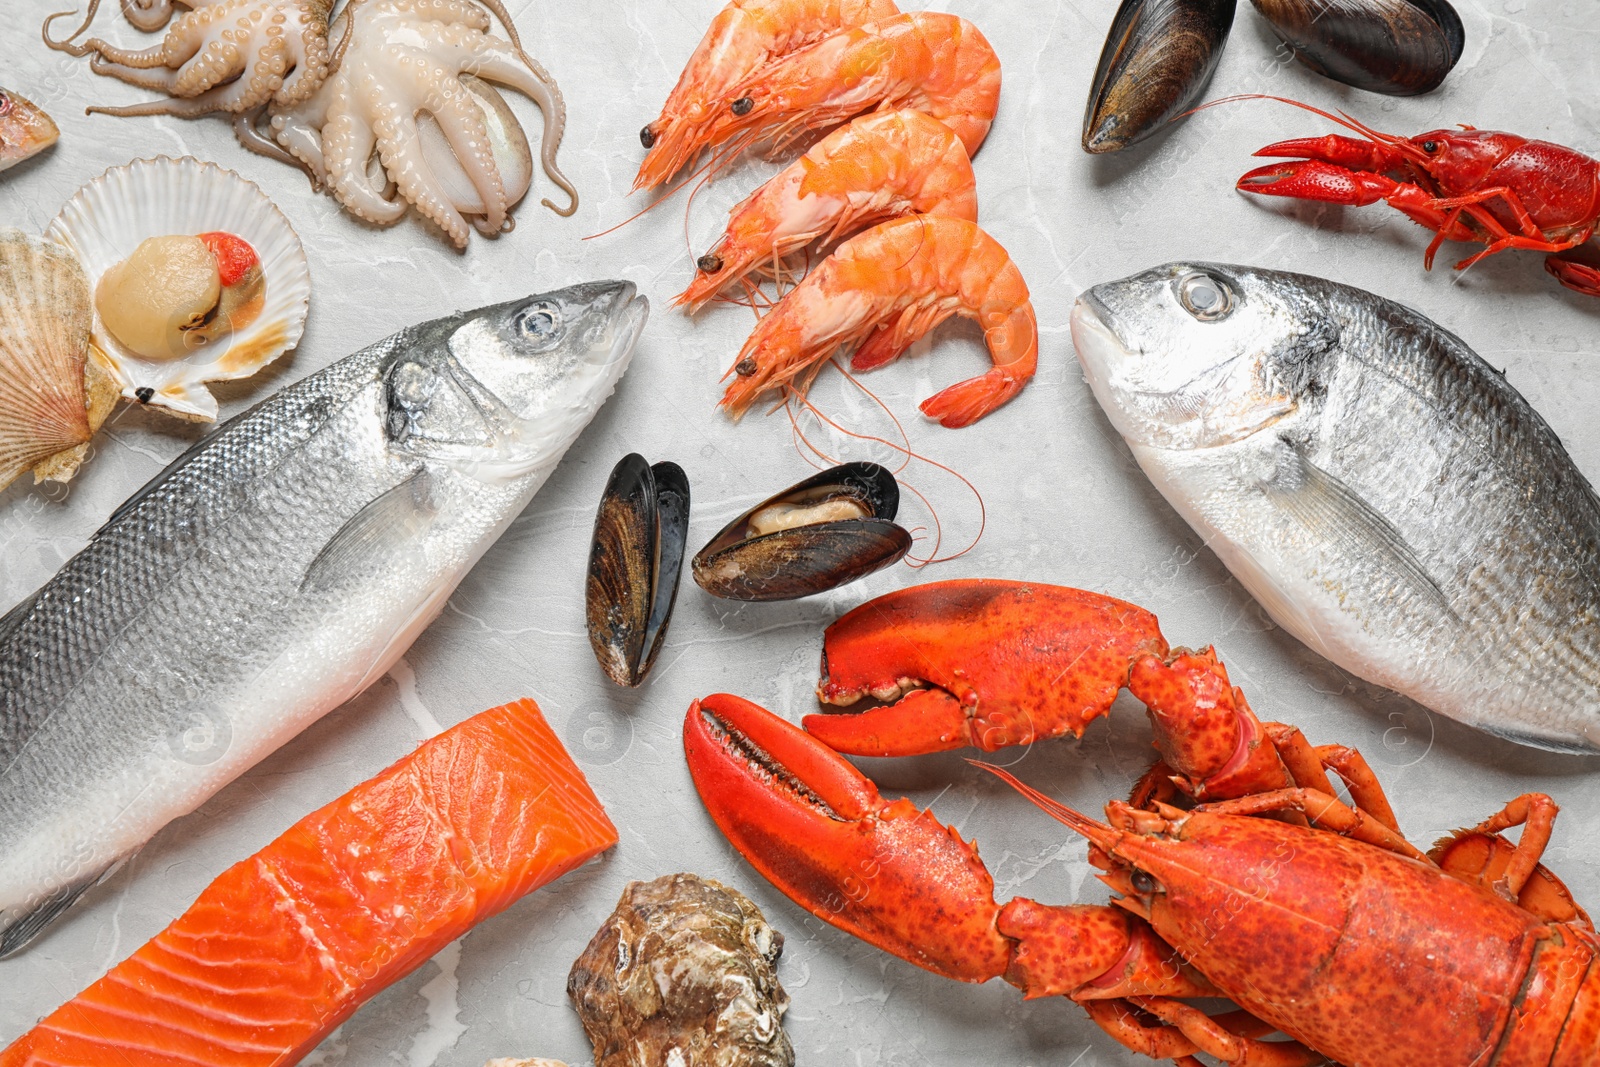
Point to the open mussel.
(826, 531)
(1157, 60)
(640, 534)
(1397, 47)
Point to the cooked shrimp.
(881, 166)
(882, 290)
(745, 36)
(937, 64)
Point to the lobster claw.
(1352, 152)
(1310, 179)
(1003, 663)
(817, 829)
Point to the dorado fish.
(272, 572)
(1385, 494)
(25, 130)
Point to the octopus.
(409, 110)
(220, 55)
(683, 974)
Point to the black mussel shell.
(738, 564)
(640, 534)
(1396, 47)
(1158, 59)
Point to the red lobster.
(1481, 186)
(1319, 920)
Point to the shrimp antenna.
(716, 160)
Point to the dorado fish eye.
(1206, 298)
(540, 322)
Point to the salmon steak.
(286, 945)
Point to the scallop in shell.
(1395, 47)
(107, 221)
(52, 395)
(635, 559)
(828, 530)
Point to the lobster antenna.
(1097, 833)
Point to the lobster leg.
(1324, 811)
(1213, 1038)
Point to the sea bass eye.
(1206, 298)
(540, 322)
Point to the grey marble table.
(1065, 503)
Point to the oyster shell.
(53, 397)
(824, 532)
(635, 558)
(111, 216)
(1395, 47)
(683, 973)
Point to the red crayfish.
(1241, 874)
(1482, 186)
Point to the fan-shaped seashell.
(48, 410)
(111, 216)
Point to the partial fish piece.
(289, 943)
(25, 130)
(53, 397)
(1385, 494)
(274, 571)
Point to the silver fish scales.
(272, 572)
(1386, 495)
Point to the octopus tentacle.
(461, 121)
(250, 137)
(250, 45)
(347, 144)
(143, 15)
(403, 158)
(495, 63)
(552, 105)
(308, 58)
(192, 108)
(301, 138)
(159, 78)
(65, 44)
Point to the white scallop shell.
(112, 215)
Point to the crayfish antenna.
(1343, 118)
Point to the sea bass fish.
(1385, 494)
(25, 130)
(272, 572)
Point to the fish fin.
(16, 933)
(372, 534)
(1567, 744)
(1334, 512)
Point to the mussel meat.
(1158, 59)
(1396, 47)
(640, 534)
(824, 532)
